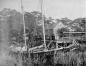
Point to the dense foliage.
(34, 32)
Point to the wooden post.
(20, 59)
(54, 57)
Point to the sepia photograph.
(42, 32)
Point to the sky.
(51, 8)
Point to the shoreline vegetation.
(12, 35)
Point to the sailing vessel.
(43, 53)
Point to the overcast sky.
(54, 8)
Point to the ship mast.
(22, 9)
(43, 23)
